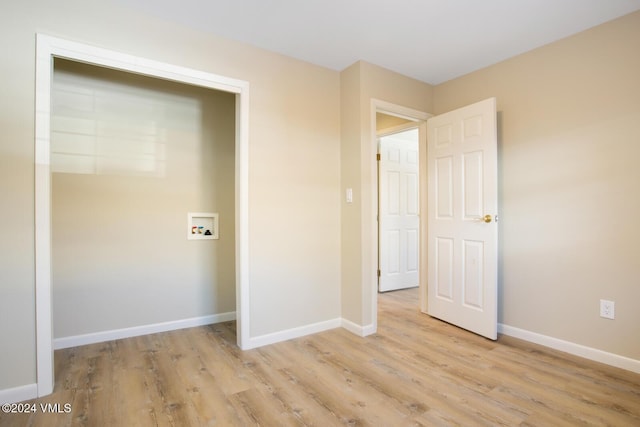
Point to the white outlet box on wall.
(202, 226)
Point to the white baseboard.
(572, 348)
(18, 394)
(77, 340)
(288, 334)
(361, 331)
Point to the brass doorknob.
(487, 219)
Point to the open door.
(462, 209)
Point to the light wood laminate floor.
(415, 371)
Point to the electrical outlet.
(607, 309)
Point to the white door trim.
(49, 48)
(370, 264)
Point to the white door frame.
(49, 48)
(380, 106)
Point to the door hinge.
(378, 157)
(379, 273)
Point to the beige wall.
(350, 170)
(569, 120)
(131, 157)
(361, 83)
(294, 158)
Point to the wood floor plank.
(209, 401)
(415, 371)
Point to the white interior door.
(399, 219)
(462, 208)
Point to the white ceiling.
(430, 40)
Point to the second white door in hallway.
(399, 205)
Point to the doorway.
(49, 48)
(393, 115)
(463, 259)
(131, 155)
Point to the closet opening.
(129, 153)
(131, 157)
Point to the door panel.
(443, 187)
(399, 221)
(472, 255)
(472, 185)
(462, 245)
(393, 264)
(443, 268)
